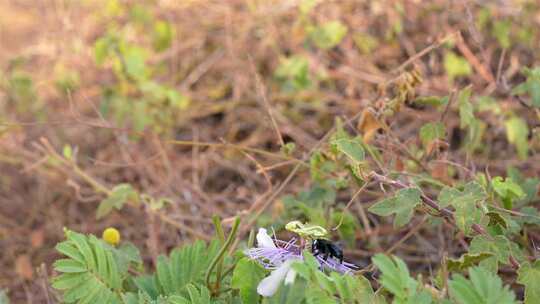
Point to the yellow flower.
(111, 236)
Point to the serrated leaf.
(467, 204)
(507, 190)
(499, 246)
(467, 260)
(517, 132)
(353, 288)
(395, 276)
(90, 274)
(120, 194)
(529, 275)
(531, 86)
(430, 132)
(456, 66)
(483, 287)
(246, 276)
(402, 205)
(351, 148)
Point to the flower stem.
(220, 255)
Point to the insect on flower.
(320, 245)
(278, 256)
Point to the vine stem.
(443, 211)
(221, 253)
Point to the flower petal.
(269, 285)
(291, 275)
(264, 240)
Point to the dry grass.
(220, 50)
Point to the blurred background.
(206, 107)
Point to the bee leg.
(326, 256)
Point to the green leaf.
(365, 42)
(347, 229)
(517, 132)
(499, 247)
(529, 275)
(328, 35)
(530, 216)
(529, 185)
(467, 260)
(483, 287)
(430, 132)
(531, 86)
(456, 66)
(501, 31)
(134, 59)
(90, 274)
(395, 276)
(246, 276)
(69, 266)
(293, 73)
(353, 289)
(507, 190)
(185, 265)
(102, 47)
(466, 110)
(318, 296)
(351, 148)
(177, 100)
(289, 294)
(402, 205)
(487, 103)
(307, 5)
(467, 203)
(198, 294)
(434, 101)
(495, 219)
(162, 36)
(120, 194)
(67, 152)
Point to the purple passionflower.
(278, 256)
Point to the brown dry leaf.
(399, 165)
(432, 146)
(23, 267)
(439, 171)
(37, 237)
(368, 125)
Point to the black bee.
(327, 249)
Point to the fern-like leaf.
(184, 266)
(89, 273)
